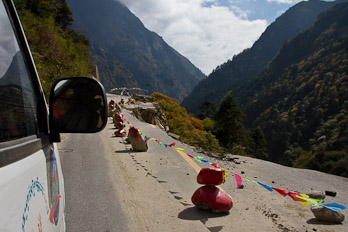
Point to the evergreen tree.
(208, 109)
(259, 144)
(64, 15)
(229, 124)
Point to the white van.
(31, 181)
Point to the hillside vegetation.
(57, 50)
(301, 99)
(223, 133)
(192, 131)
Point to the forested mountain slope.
(57, 50)
(127, 54)
(251, 61)
(301, 100)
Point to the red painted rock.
(211, 176)
(118, 117)
(119, 125)
(135, 139)
(212, 199)
(111, 108)
(111, 105)
(121, 133)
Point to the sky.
(8, 47)
(208, 32)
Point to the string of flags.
(126, 90)
(303, 199)
(147, 138)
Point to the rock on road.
(111, 188)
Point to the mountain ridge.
(301, 99)
(251, 61)
(130, 55)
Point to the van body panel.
(32, 193)
(32, 196)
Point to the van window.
(18, 102)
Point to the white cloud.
(285, 1)
(206, 33)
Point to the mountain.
(301, 99)
(57, 50)
(127, 54)
(251, 61)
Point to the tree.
(259, 144)
(229, 123)
(64, 16)
(208, 109)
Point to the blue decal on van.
(36, 187)
(54, 188)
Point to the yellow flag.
(224, 175)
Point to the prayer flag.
(248, 179)
(269, 188)
(334, 206)
(198, 158)
(238, 179)
(280, 191)
(171, 145)
(310, 200)
(224, 175)
(215, 165)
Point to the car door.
(31, 180)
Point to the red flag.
(215, 165)
(280, 191)
(171, 145)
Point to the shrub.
(190, 129)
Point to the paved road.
(92, 202)
(111, 188)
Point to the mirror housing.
(77, 105)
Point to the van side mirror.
(77, 105)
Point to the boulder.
(121, 133)
(117, 118)
(316, 195)
(119, 125)
(328, 215)
(330, 193)
(210, 176)
(135, 139)
(151, 114)
(212, 199)
(111, 108)
(118, 108)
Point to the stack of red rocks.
(209, 197)
(119, 124)
(111, 108)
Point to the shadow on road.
(315, 221)
(125, 152)
(193, 213)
